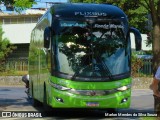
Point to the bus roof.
(68, 10)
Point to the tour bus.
(80, 57)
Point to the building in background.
(145, 47)
(17, 28)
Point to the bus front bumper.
(65, 99)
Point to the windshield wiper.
(94, 63)
(105, 68)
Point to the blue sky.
(42, 3)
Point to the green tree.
(6, 2)
(5, 49)
(137, 14)
(21, 5)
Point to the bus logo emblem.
(92, 93)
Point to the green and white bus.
(80, 57)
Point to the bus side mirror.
(47, 37)
(138, 38)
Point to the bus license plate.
(92, 104)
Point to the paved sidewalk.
(139, 92)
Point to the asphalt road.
(15, 99)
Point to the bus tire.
(35, 102)
(45, 105)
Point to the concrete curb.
(11, 81)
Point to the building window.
(20, 20)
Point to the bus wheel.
(45, 105)
(35, 102)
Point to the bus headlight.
(123, 88)
(59, 87)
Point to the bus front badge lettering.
(92, 93)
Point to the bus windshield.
(91, 48)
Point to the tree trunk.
(156, 47)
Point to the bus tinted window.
(94, 49)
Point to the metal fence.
(146, 69)
(20, 64)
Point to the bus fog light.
(59, 99)
(124, 100)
